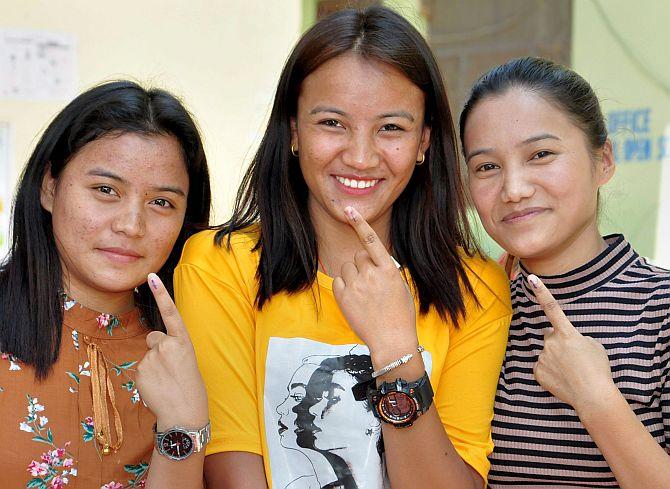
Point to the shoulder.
(489, 284)
(205, 252)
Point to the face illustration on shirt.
(288, 427)
(320, 409)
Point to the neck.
(580, 249)
(337, 242)
(115, 303)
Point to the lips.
(523, 215)
(282, 427)
(120, 255)
(356, 185)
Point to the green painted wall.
(621, 48)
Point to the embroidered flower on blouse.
(112, 485)
(55, 465)
(87, 426)
(109, 322)
(13, 362)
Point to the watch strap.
(200, 437)
(421, 391)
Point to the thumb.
(171, 318)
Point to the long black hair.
(31, 287)
(429, 229)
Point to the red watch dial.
(396, 407)
(177, 444)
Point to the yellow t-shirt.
(279, 379)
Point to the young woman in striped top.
(583, 399)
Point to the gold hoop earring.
(294, 150)
(423, 158)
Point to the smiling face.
(534, 180)
(117, 209)
(359, 131)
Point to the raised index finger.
(173, 323)
(549, 305)
(368, 237)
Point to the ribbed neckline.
(571, 285)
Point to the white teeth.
(356, 183)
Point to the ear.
(294, 133)
(48, 190)
(425, 142)
(606, 165)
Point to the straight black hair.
(557, 84)
(429, 229)
(31, 283)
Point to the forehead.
(513, 116)
(353, 82)
(137, 158)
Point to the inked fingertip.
(153, 281)
(534, 281)
(350, 213)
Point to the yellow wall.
(621, 48)
(223, 57)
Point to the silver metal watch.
(178, 443)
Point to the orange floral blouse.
(47, 428)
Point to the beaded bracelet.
(396, 363)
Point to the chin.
(525, 248)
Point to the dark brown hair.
(429, 226)
(31, 284)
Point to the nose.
(516, 185)
(361, 152)
(130, 221)
(282, 409)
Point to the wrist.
(598, 401)
(411, 370)
(189, 421)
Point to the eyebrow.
(531, 139)
(98, 172)
(323, 108)
(398, 113)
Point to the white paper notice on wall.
(5, 188)
(37, 65)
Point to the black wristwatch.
(179, 443)
(399, 403)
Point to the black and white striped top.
(623, 302)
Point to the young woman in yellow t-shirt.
(296, 300)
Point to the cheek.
(163, 237)
(483, 196)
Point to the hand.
(168, 378)
(573, 367)
(373, 295)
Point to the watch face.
(396, 407)
(177, 444)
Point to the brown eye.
(162, 203)
(331, 123)
(487, 167)
(105, 189)
(542, 154)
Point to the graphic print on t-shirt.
(318, 435)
